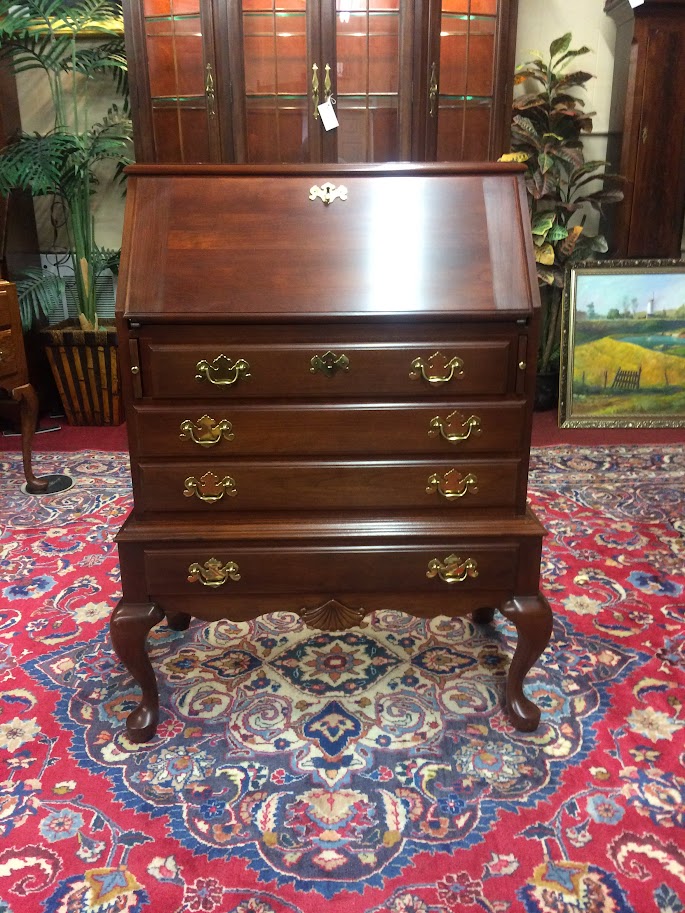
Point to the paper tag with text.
(328, 118)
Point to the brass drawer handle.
(209, 488)
(452, 368)
(222, 371)
(210, 92)
(453, 569)
(329, 363)
(212, 573)
(433, 91)
(315, 91)
(442, 426)
(206, 431)
(453, 484)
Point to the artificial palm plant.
(548, 125)
(65, 163)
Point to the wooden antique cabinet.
(328, 374)
(648, 110)
(240, 80)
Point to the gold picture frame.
(623, 345)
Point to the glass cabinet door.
(468, 108)
(180, 69)
(279, 81)
(297, 55)
(370, 81)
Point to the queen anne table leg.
(129, 627)
(532, 618)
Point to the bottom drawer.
(240, 571)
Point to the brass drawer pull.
(453, 484)
(468, 426)
(209, 488)
(329, 363)
(222, 372)
(315, 91)
(212, 573)
(453, 569)
(206, 431)
(452, 368)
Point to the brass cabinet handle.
(315, 91)
(213, 573)
(433, 91)
(452, 485)
(327, 83)
(209, 90)
(329, 363)
(209, 487)
(206, 431)
(452, 368)
(442, 426)
(452, 569)
(222, 371)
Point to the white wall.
(541, 21)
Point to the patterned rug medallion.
(370, 770)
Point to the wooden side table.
(15, 379)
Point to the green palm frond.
(39, 294)
(37, 51)
(107, 59)
(64, 163)
(41, 164)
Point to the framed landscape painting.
(623, 345)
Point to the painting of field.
(623, 359)
(633, 375)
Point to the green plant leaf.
(546, 162)
(557, 233)
(39, 294)
(542, 222)
(560, 45)
(578, 78)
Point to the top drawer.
(235, 364)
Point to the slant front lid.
(321, 242)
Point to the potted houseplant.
(562, 187)
(67, 164)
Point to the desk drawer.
(236, 370)
(205, 570)
(224, 430)
(239, 485)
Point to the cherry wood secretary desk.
(328, 374)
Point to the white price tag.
(328, 118)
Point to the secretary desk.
(328, 377)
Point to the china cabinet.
(649, 106)
(242, 80)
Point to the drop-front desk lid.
(255, 243)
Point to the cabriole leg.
(483, 615)
(178, 621)
(532, 617)
(129, 627)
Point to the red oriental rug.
(369, 771)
